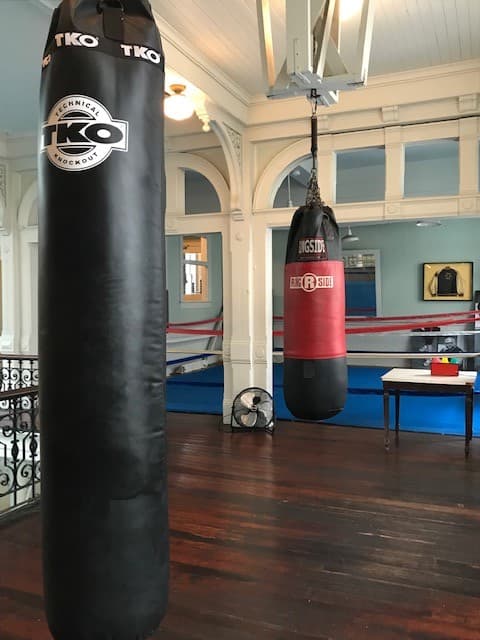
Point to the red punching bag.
(315, 369)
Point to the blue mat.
(202, 392)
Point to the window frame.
(194, 298)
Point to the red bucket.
(444, 369)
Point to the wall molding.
(423, 95)
(285, 160)
(175, 164)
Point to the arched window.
(194, 185)
(293, 190)
(200, 194)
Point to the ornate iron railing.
(19, 449)
(18, 371)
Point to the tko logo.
(74, 39)
(72, 133)
(135, 51)
(310, 282)
(80, 133)
(311, 246)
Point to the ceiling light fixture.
(177, 105)
(349, 8)
(349, 237)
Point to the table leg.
(397, 417)
(386, 418)
(468, 420)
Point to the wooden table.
(420, 381)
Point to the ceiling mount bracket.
(314, 60)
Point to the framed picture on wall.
(448, 281)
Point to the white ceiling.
(408, 34)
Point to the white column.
(9, 247)
(394, 169)
(10, 338)
(468, 151)
(238, 303)
(28, 253)
(238, 277)
(175, 190)
(262, 305)
(327, 178)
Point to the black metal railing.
(18, 371)
(19, 449)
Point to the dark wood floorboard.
(315, 533)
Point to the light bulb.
(349, 8)
(178, 106)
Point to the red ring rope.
(191, 324)
(387, 318)
(196, 332)
(400, 327)
(429, 315)
(460, 317)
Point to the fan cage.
(246, 404)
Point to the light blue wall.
(190, 311)
(404, 247)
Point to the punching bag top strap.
(113, 19)
(314, 198)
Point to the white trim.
(25, 208)
(176, 163)
(28, 278)
(275, 172)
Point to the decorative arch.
(26, 207)
(176, 162)
(275, 172)
(231, 141)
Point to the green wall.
(190, 311)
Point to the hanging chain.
(314, 198)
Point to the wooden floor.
(314, 533)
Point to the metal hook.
(314, 100)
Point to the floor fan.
(252, 410)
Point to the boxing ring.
(202, 391)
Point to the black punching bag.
(102, 322)
(315, 368)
